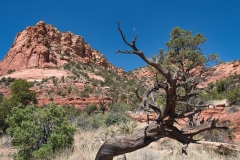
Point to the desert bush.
(233, 109)
(78, 66)
(63, 79)
(112, 119)
(127, 127)
(225, 88)
(3, 79)
(117, 114)
(211, 85)
(71, 111)
(216, 135)
(233, 96)
(1, 97)
(54, 80)
(221, 85)
(38, 132)
(115, 117)
(5, 110)
(90, 109)
(11, 71)
(67, 66)
(7, 81)
(94, 121)
(20, 93)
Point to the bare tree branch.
(164, 72)
(136, 92)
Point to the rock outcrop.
(220, 71)
(44, 46)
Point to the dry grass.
(6, 150)
(87, 144)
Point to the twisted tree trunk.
(143, 137)
(120, 145)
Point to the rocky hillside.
(220, 71)
(41, 54)
(44, 46)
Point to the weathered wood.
(120, 145)
(143, 137)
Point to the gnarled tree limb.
(165, 124)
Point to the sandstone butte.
(38, 49)
(44, 46)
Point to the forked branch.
(157, 66)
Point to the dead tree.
(183, 67)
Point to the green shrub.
(5, 110)
(71, 111)
(3, 79)
(233, 96)
(90, 109)
(117, 114)
(20, 92)
(91, 122)
(7, 81)
(216, 135)
(63, 79)
(221, 85)
(11, 71)
(39, 132)
(103, 108)
(1, 97)
(114, 117)
(127, 127)
(111, 120)
(67, 66)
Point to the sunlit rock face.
(44, 46)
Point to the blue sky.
(95, 20)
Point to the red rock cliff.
(44, 46)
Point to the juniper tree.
(182, 67)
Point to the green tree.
(38, 132)
(20, 92)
